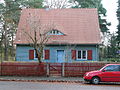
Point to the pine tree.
(9, 18)
(118, 27)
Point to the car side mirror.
(103, 70)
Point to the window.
(112, 68)
(55, 32)
(33, 54)
(82, 54)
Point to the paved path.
(5, 85)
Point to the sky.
(111, 7)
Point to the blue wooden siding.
(22, 53)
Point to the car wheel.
(95, 80)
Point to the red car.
(109, 73)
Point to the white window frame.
(35, 55)
(82, 55)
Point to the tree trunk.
(1, 46)
(38, 55)
(5, 44)
(12, 52)
(39, 59)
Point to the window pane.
(79, 54)
(36, 55)
(116, 68)
(112, 68)
(54, 32)
(57, 32)
(84, 54)
(50, 32)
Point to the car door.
(111, 73)
(119, 75)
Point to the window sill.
(81, 60)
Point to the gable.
(79, 26)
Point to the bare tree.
(57, 3)
(38, 34)
(68, 48)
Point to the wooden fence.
(79, 69)
(73, 69)
(22, 69)
(48, 69)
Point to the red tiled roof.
(80, 26)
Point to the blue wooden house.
(76, 36)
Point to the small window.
(55, 32)
(82, 54)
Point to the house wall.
(22, 52)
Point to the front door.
(60, 56)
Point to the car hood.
(94, 72)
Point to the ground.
(12, 85)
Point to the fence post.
(1, 69)
(48, 70)
(63, 69)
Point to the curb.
(19, 80)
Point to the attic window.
(55, 32)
